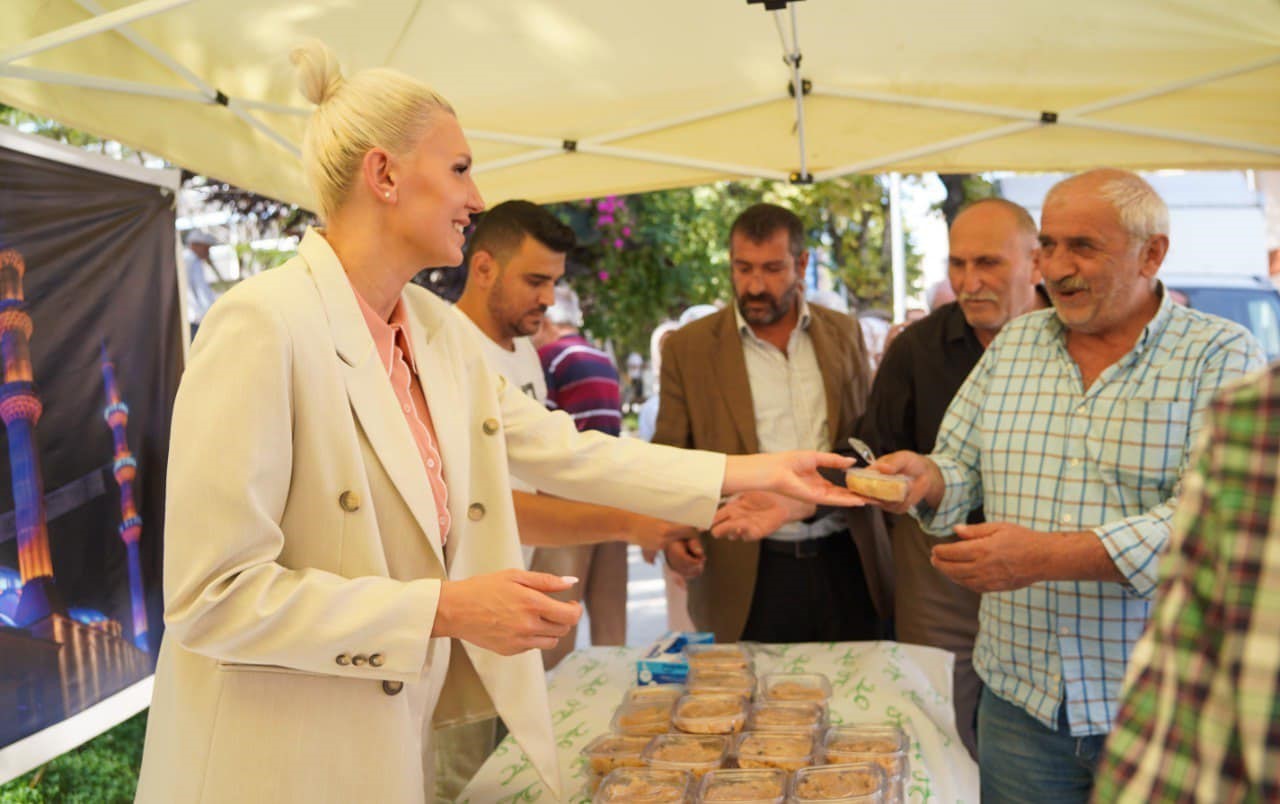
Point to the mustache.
(762, 297)
(985, 296)
(1068, 284)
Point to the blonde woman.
(340, 539)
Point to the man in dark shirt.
(992, 269)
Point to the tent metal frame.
(1016, 120)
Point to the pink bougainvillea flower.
(604, 276)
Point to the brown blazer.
(705, 403)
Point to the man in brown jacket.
(772, 373)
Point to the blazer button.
(359, 660)
(350, 501)
(376, 660)
(392, 687)
(475, 512)
(343, 659)
(490, 426)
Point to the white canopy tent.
(577, 98)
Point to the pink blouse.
(391, 340)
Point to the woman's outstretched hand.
(793, 474)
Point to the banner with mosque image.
(91, 349)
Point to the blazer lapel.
(730, 375)
(368, 389)
(826, 349)
(444, 400)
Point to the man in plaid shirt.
(1073, 431)
(1200, 719)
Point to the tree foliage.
(644, 258)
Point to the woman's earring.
(387, 194)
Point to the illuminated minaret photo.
(125, 467)
(20, 408)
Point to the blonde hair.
(376, 108)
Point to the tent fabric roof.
(665, 93)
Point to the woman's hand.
(793, 474)
(507, 612)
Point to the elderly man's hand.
(993, 556)
(685, 558)
(753, 515)
(926, 480)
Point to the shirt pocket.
(1139, 445)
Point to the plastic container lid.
(644, 785)
(710, 713)
(647, 717)
(722, 679)
(788, 750)
(753, 786)
(786, 716)
(609, 752)
(718, 655)
(696, 753)
(653, 692)
(877, 485)
(795, 687)
(861, 782)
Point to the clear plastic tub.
(608, 752)
(645, 785)
(853, 783)
(722, 679)
(786, 750)
(695, 753)
(649, 693)
(755, 786)
(710, 713)
(786, 716)
(648, 717)
(876, 485)
(795, 687)
(881, 743)
(718, 655)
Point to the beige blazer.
(706, 404)
(303, 559)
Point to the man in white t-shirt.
(514, 258)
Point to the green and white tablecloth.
(872, 682)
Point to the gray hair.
(1142, 211)
(566, 310)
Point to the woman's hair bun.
(319, 74)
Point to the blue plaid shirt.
(1025, 438)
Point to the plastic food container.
(710, 713)
(718, 655)
(722, 679)
(647, 717)
(877, 486)
(860, 782)
(644, 785)
(786, 716)
(884, 744)
(650, 693)
(756, 786)
(609, 752)
(795, 687)
(787, 750)
(695, 753)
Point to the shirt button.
(490, 426)
(1066, 517)
(1081, 410)
(1064, 631)
(1075, 461)
(475, 512)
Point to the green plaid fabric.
(1200, 718)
